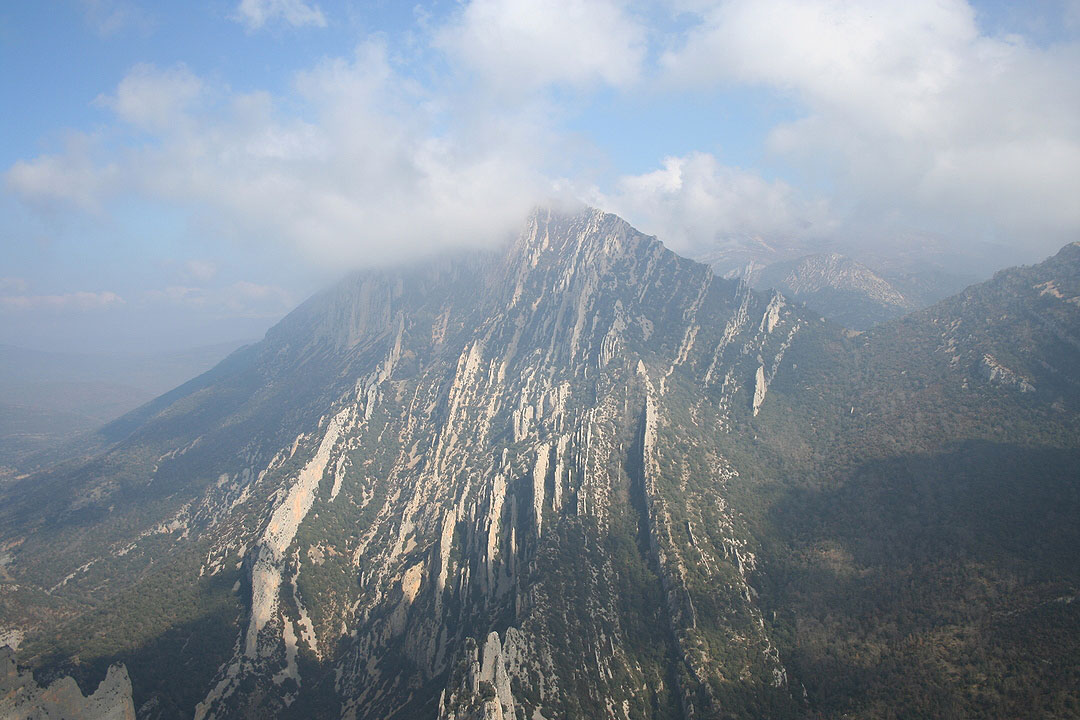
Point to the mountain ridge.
(552, 481)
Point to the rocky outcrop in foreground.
(21, 698)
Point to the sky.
(181, 174)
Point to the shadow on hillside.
(179, 663)
(988, 502)
(933, 585)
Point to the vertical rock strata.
(525, 473)
(496, 490)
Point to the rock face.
(21, 698)
(836, 286)
(534, 483)
(446, 498)
(995, 372)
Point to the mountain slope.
(48, 400)
(838, 287)
(924, 561)
(579, 477)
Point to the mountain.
(884, 285)
(731, 256)
(581, 476)
(836, 286)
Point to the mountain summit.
(840, 288)
(579, 477)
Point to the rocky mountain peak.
(550, 480)
(554, 237)
(1070, 253)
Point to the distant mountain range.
(839, 287)
(583, 477)
(843, 290)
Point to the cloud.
(240, 299)
(154, 99)
(520, 45)
(908, 108)
(68, 301)
(254, 14)
(111, 17)
(693, 201)
(201, 270)
(150, 100)
(74, 176)
(373, 170)
(908, 114)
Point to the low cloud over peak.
(399, 132)
(366, 163)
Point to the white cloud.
(201, 270)
(110, 17)
(151, 98)
(371, 173)
(239, 299)
(520, 45)
(907, 113)
(67, 301)
(73, 176)
(694, 201)
(254, 14)
(909, 109)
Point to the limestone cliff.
(21, 698)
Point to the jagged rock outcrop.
(21, 698)
(994, 372)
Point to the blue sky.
(181, 174)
